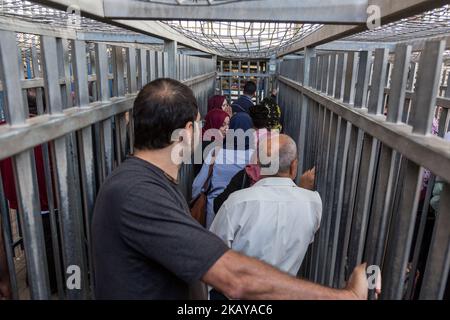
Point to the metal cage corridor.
(360, 108)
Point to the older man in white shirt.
(274, 220)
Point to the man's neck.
(279, 175)
(248, 95)
(160, 158)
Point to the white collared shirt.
(273, 221)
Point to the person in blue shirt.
(227, 161)
(245, 101)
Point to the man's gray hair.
(287, 153)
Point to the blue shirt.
(227, 164)
(242, 104)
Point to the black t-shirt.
(145, 243)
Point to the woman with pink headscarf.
(219, 102)
(215, 119)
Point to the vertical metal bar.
(341, 167)
(221, 77)
(151, 65)
(36, 72)
(11, 75)
(309, 53)
(425, 208)
(340, 75)
(402, 227)
(318, 78)
(80, 73)
(130, 128)
(103, 93)
(186, 66)
(326, 65)
(178, 62)
(69, 206)
(108, 145)
(93, 85)
(258, 93)
(30, 214)
(8, 240)
(159, 64)
(86, 152)
(400, 233)
(230, 79)
(51, 75)
(350, 78)
(335, 130)
(332, 75)
(53, 97)
(24, 173)
(380, 216)
(398, 87)
(348, 206)
(321, 125)
(322, 188)
(170, 48)
(64, 72)
(118, 71)
(375, 104)
(362, 84)
(165, 61)
(422, 112)
(102, 72)
(131, 70)
(438, 261)
(377, 233)
(409, 87)
(239, 82)
(363, 200)
(142, 68)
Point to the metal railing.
(370, 145)
(84, 95)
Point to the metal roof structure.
(429, 24)
(244, 39)
(36, 13)
(231, 39)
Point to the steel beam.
(390, 11)
(306, 11)
(95, 10)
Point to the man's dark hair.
(260, 116)
(160, 108)
(250, 88)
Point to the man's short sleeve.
(154, 224)
(222, 226)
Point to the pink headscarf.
(214, 119)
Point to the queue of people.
(146, 244)
(259, 223)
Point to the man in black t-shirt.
(145, 243)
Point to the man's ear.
(189, 125)
(293, 169)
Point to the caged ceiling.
(225, 28)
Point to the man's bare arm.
(241, 277)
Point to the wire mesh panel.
(374, 133)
